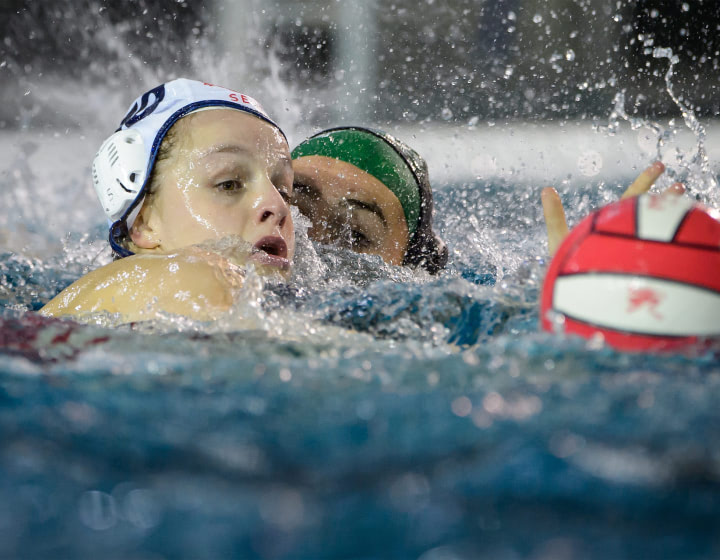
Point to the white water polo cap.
(122, 167)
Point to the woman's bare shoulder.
(190, 283)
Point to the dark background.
(457, 61)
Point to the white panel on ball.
(638, 304)
(659, 216)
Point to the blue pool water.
(360, 412)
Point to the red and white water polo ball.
(643, 272)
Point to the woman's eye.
(301, 188)
(285, 195)
(229, 186)
(359, 240)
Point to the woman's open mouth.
(271, 251)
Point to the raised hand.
(556, 223)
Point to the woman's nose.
(270, 206)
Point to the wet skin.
(350, 208)
(228, 174)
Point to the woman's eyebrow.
(306, 187)
(225, 149)
(369, 206)
(282, 160)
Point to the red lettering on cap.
(234, 97)
(246, 99)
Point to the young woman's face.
(350, 208)
(229, 173)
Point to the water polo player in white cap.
(190, 163)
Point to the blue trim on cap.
(115, 232)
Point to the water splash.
(695, 172)
(691, 169)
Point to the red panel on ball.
(604, 253)
(630, 341)
(617, 218)
(699, 228)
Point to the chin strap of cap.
(118, 235)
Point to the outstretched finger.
(645, 180)
(555, 222)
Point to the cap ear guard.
(425, 249)
(119, 172)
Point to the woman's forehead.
(227, 127)
(338, 182)
(329, 172)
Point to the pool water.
(362, 411)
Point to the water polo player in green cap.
(367, 191)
